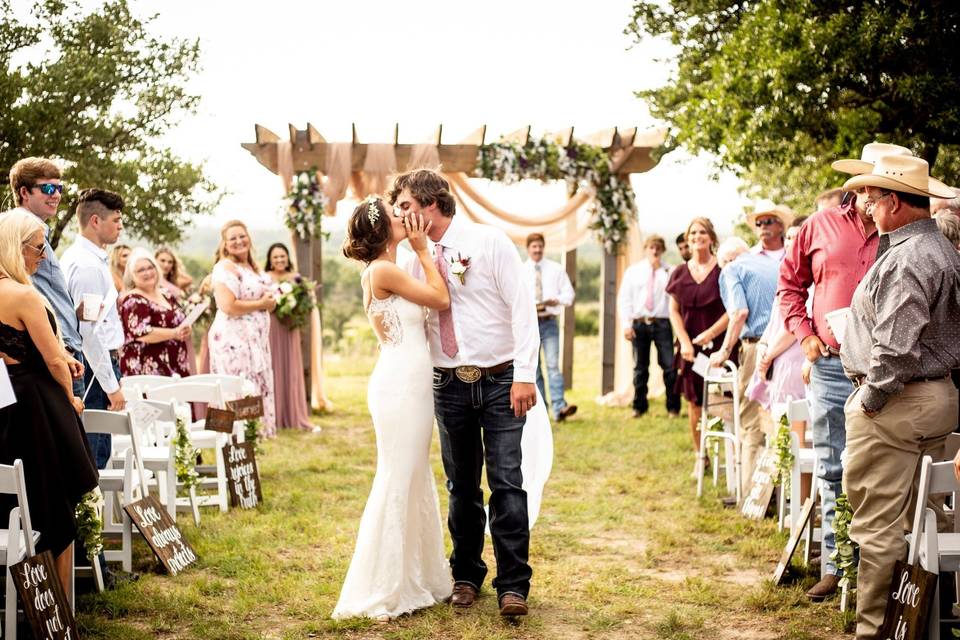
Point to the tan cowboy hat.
(869, 156)
(906, 174)
(769, 208)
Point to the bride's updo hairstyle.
(368, 231)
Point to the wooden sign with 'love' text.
(248, 408)
(162, 534)
(757, 500)
(219, 420)
(243, 476)
(42, 598)
(911, 594)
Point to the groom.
(484, 350)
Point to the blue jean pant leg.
(661, 336)
(101, 444)
(550, 346)
(829, 390)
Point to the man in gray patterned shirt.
(902, 340)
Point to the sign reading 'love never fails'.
(162, 534)
(911, 595)
(243, 476)
(42, 598)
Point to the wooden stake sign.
(248, 408)
(794, 540)
(162, 534)
(42, 598)
(757, 500)
(911, 594)
(220, 420)
(243, 475)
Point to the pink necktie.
(650, 285)
(448, 339)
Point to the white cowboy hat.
(869, 156)
(770, 208)
(906, 174)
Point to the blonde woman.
(57, 461)
(174, 274)
(118, 264)
(239, 338)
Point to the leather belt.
(858, 381)
(750, 339)
(833, 351)
(545, 316)
(471, 373)
(647, 319)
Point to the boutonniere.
(459, 267)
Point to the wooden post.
(568, 322)
(304, 264)
(608, 319)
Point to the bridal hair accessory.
(373, 210)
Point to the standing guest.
(206, 289)
(950, 205)
(644, 308)
(155, 343)
(697, 315)
(42, 428)
(552, 291)
(285, 353)
(239, 338)
(748, 284)
(949, 226)
(118, 264)
(829, 199)
(37, 189)
(683, 247)
(901, 342)
(175, 276)
(87, 268)
(770, 220)
(833, 251)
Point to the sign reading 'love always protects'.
(162, 534)
(43, 599)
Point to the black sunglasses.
(48, 188)
(765, 222)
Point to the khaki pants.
(754, 419)
(880, 475)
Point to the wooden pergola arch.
(630, 152)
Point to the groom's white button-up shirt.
(494, 315)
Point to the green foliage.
(588, 280)
(90, 523)
(97, 90)
(845, 552)
(342, 297)
(785, 456)
(185, 456)
(586, 320)
(778, 89)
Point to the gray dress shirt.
(904, 320)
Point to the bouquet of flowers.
(295, 302)
(305, 205)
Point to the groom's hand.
(523, 395)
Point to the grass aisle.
(622, 548)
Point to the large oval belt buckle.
(468, 374)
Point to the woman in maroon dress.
(154, 341)
(697, 314)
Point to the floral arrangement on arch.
(305, 205)
(295, 301)
(580, 165)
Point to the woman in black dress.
(697, 314)
(42, 428)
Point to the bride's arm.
(392, 279)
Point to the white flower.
(458, 268)
(286, 287)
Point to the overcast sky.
(546, 63)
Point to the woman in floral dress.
(239, 338)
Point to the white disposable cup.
(91, 306)
(837, 320)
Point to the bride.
(398, 565)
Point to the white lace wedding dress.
(399, 565)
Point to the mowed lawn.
(623, 548)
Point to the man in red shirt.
(833, 251)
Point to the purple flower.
(297, 279)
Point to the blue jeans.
(550, 345)
(477, 425)
(100, 443)
(661, 335)
(829, 390)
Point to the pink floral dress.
(138, 315)
(240, 345)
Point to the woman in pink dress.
(239, 338)
(288, 382)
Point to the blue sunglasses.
(48, 188)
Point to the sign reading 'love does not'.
(243, 476)
(43, 599)
(162, 534)
(912, 590)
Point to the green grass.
(623, 549)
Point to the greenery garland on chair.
(185, 456)
(305, 205)
(90, 523)
(845, 553)
(785, 457)
(580, 165)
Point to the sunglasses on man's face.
(765, 222)
(48, 188)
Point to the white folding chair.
(119, 486)
(18, 541)
(231, 386)
(209, 393)
(804, 461)
(135, 387)
(730, 436)
(934, 551)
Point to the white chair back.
(120, 424)
(189, 391)
(12, 482)
(232, 386)
(935, 477)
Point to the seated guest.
(154, 342)
(174, 275)
(118, 264)
(552, 291)
(899, 347)
(42, 428)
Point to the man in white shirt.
(551, 292)
(770, 222)
(86, 266)
(484, 350)
(644, 309)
